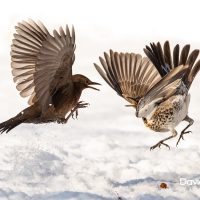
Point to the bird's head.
(144, 109)
(83, 82)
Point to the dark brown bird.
(157, 86)
(42, 69)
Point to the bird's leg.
(65, 120)
(80, 104)
(174, 134)
(191, 121)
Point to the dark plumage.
(162, 60)
(42, 69)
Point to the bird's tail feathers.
(191, 73)
(166, 60)
(12, 123)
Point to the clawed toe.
(62, 121)
(187, 132)
(81, 104)
(72, 114)
(181, 136)
(76, 114)
(159, 145)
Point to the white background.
(107, 149)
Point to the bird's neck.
(78, 87)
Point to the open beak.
(93, 83)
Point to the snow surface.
(104, 154)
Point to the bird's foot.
(181, 136)
(159, 145)
(80, 104)
(62, 120)
(76, 114)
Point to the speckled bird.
(157, 86)
(42, 69)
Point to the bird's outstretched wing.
(130, 75)
(41, 63)
(166, 87)
(165, 60)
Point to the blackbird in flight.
(42, 69)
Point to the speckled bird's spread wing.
(129, 74)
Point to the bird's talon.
(81, 104)
(186, 132)
(62, 121)
(159, 145)
(76, 114)
(181, 136)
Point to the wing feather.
(128, 74)
(162, 59)
(166, 87)
(40, 59)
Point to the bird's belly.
(169, 114)
(64, 109)
(66, 106)
(53, 114)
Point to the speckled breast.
(168, 115)
(160, 120)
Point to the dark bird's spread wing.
(42, 63)
(165, 61)
(130, 75)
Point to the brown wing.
(165, 60)
(130, 75)
(166, 87)
(41, 63)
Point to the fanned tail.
(166, 60)
(190, 75)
